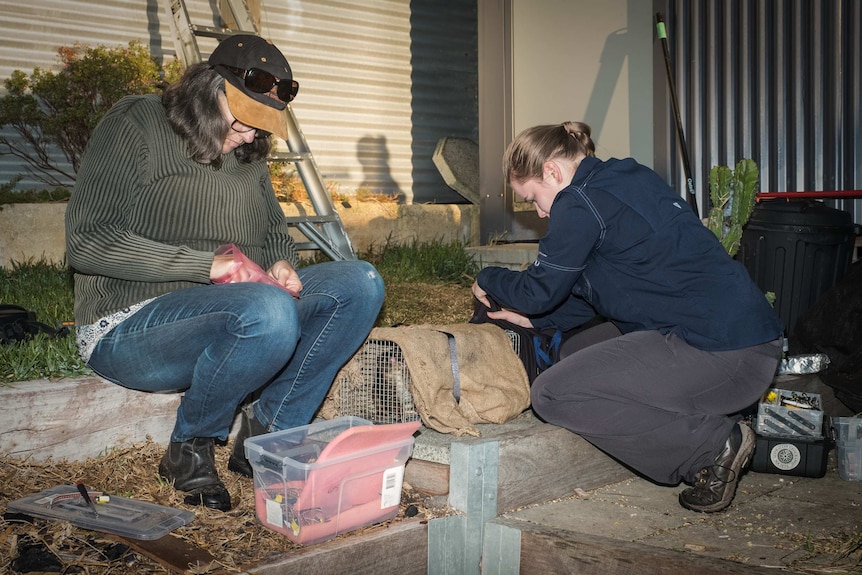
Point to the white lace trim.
(87, 336)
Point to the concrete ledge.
(37, 231)
(515, 256)
(32, 231)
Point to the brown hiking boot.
(715, 486)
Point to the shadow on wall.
(623, 63)
(373, 156)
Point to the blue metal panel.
(445, 85)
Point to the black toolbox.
(790, 455)
(789, 429)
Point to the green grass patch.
(434, 261)
(46, 289)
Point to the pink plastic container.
(314, 482)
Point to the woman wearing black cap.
(164, 184)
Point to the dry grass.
(236, 539)
(422, 303)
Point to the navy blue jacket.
(622, 243)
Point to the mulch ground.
(235, 538)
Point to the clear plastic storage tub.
(847, 432)
(316, 481)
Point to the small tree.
(51, 111)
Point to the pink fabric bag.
(242, 269)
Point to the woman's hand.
(286, 276)
(223, 265)
(511, 316)
(508, 315)
(481, 295)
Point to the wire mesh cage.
(379, 388)
(376, 384)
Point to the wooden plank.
(175, 554)
(396, 549)
(546, 462)
(548, 550)
(427, 477)
(79, 418)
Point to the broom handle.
(686, 166)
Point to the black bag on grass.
(18, 324)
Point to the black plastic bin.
(797, 249)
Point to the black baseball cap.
(243, 52)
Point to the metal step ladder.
(324, 229)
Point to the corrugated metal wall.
(777, 81)
(381, 80)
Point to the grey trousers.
(652, 401)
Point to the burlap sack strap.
(493, 383)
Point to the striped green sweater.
(144, 219)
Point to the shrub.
(59, 110)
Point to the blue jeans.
(221, 343)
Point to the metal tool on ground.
(324, 229)
(83, 490)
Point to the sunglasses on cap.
(261, 82)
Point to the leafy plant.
(59, 110)
(733, 194)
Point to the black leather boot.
(715, 485)
(249, 427)
(190, 466)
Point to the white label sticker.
(785, 456)
(273, 513)
(393, 479)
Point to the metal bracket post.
(455, 543)
(501, 553)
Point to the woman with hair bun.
(689, 340)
